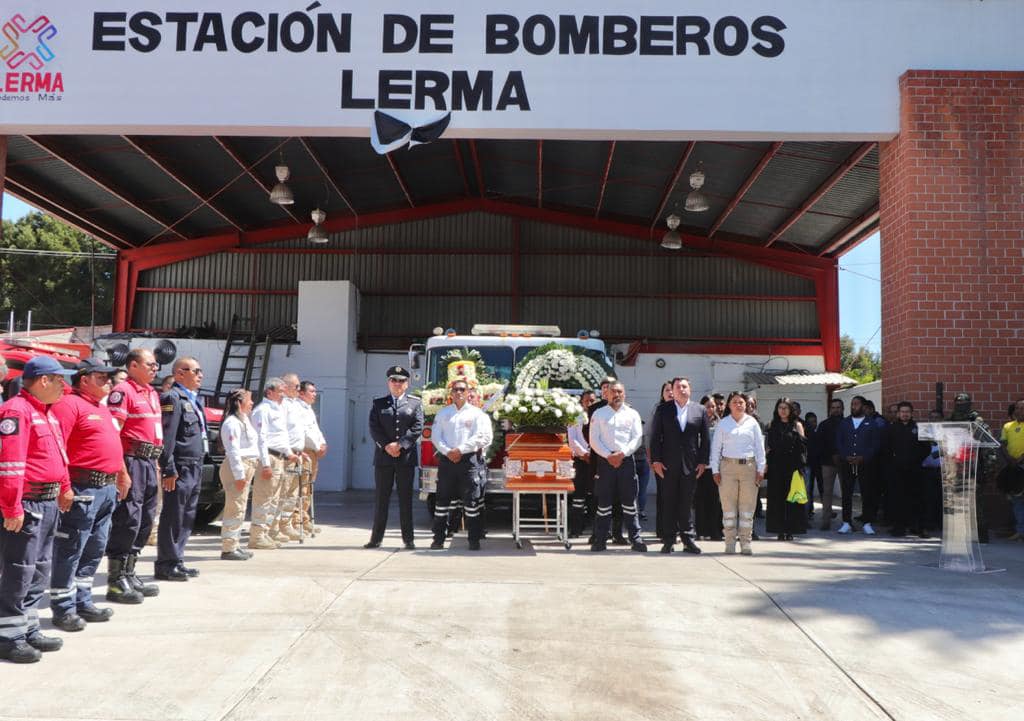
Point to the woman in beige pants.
(737, 465)
(241, 457)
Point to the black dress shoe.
(372, 544)
(18, 652)
(689, 546)
(44, 644)
(781, 537)
(474, 545)
(638, 547)
(789, 537)
(235, 555)
(70, 622)
(667, 548)
(170, 574)
(437, 546)
(619, 541)
(92, 614)
(410, 546)
(190, 572)
(598, 548)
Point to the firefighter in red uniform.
(33, 484)
(99, 480)
(135, 405)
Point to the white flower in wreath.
(497, 415)
(535, 409)
(506, 407)
(558, 413)
(521, 409)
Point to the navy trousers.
(25, 574)
(178, 515)
(133, 518)
(78, 547)
(612, 482)
(386, 478)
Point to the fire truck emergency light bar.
(516, 330)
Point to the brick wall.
(952, 241)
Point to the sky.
(860, 302)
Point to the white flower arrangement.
(539, 408)
(559, 367)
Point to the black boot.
(119, 588)
(41, 643)
(146, 589)
(18, 652)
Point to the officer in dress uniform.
(99, 480)
(135, 406)
(184, 428)
(460, 434)
(396, 422)
(33, 485)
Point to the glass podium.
(961, 443)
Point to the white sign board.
(703, 69)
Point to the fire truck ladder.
(244, 364)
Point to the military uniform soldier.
(396, 422)
(184, 429)
(33, 484)
(95, 465)
(135, 406)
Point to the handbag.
(797, 489)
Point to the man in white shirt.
(616, 431)
(460, 433)
(583, 482)
(294, 472)
(270, 419)
(315, 447)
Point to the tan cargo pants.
(266, 498)
(234, 503)
(738, 492)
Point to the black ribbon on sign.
(392, 133)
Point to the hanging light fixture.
(696, 201)
(317, 234)
(281, 194)
(672, 240)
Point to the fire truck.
(502, 348)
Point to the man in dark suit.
(396, 421)
(680, 448)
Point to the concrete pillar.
(952, 241)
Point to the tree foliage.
(861, 364)
(57, 289)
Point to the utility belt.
(144, 450)
(41, 491)
(87, 478)
(278, 454)
(740, 461)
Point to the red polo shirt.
(137, 407)
(31, 451)
(90, 435)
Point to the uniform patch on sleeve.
(8, 426)
(168, 408)
(115, 398)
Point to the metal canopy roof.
(133, 191)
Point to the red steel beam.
(867, 221)
(106, 185)
(462, 167)
(680, 166)
(55, 208)
(736, 346)
(327, 174)
(540, 173)
(222, 142)
(818, 194)
(148, 155)
(827, 289)
(604, 179)
(751, 179)
(401, 180)
(476, 166)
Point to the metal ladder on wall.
(244, 363)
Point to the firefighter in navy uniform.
(33, 486)
(184, 430)
(396, 422)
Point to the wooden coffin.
(538, 461)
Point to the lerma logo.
(26, 51)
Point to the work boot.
(70, 622)
(119, 588)
(745, 548)
(289, 532)
(171, 574)
(235, 555)
(260, 541)
(42, 643)
(146, 589)
(94, 614)
(19, 652)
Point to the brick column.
(952, 237)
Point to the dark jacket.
(826, 437)
(864, 441)
(906, 450)
(183, 430)
(389, 424)
(676, 447)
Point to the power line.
(862, 275)
(57, 253)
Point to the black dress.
(707, 504)
(787, 452)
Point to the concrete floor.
(828, 627)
